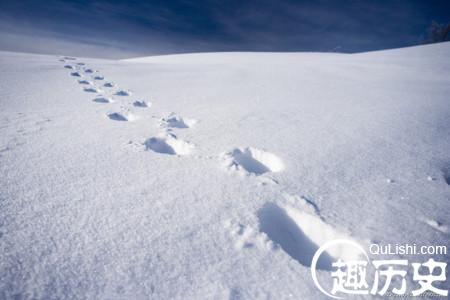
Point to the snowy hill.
(186, 176)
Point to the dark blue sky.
(133, 28)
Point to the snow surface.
(288, 150)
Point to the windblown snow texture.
(242, 166)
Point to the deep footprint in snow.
(141, 103)
(169, 144)
(122, 116)
(123, 93)
(175, 121)
(300, 234)
(109, 84)
(76, 74)
(69, 67)
(296, 225)
(103, 100)
(87, 82)
(99, 77)
(93, 90)
(252, 160)
(284, 231)
(89, 71)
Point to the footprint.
(123, 93)
(125, 116)
(81, 64)
(93, 90)
(175, 121)
(89, 71)
(103, 100)
(76, 74)
(169, 144)
(85, 82)
(69, 58)
(99, 77)
(300, 234)
(69, 67)
(252, 161)
(142, 103)
(109, 84)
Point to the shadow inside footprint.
(250, 164)
(142, 104)
(117, 117)
(103, 100)
(160, 146)
(91, 90)
(281, 229)
(123, 93)
(84, 82)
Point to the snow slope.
(215, 175)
